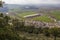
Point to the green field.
(25, 13)
(56, 14)
(43, 19)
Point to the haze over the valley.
(32, 1)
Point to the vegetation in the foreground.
(14, 29)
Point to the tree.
(8, 34)
(1, 15)
(36, 31)
(29, 29)
(1, 5)
(55, 32)
(18, 24)
(46, 32)
(40, 30)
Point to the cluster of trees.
(10, 26)
(47, 32)
(6, 32)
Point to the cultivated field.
(56, 15)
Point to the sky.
(32, 1)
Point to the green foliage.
(46, 31)
(8, 32)
(43, 19)
(1, 15)
(1, 4)
(55, 32)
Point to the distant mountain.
(12, 6)
(33, 7)
(30, 7)
(16, 7)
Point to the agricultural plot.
(42, 19)
(25, 14)
(56, 15)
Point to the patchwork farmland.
(33, 18)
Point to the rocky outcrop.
(38, 24)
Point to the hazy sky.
(32, 1)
